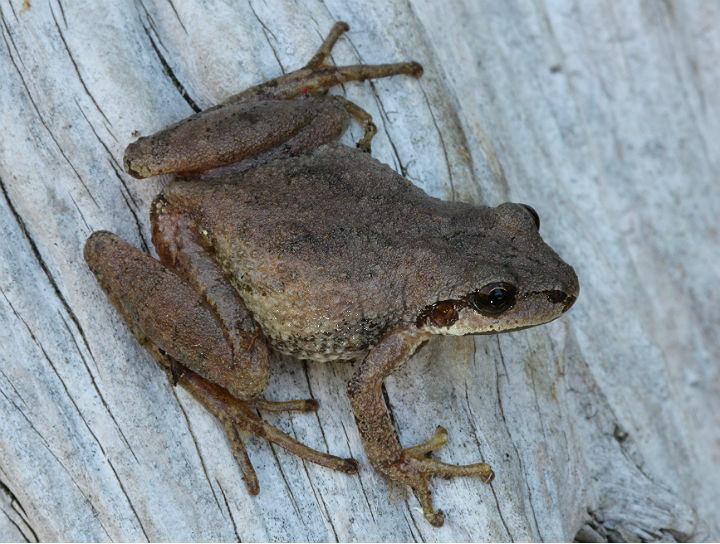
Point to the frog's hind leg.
(236, 415)
(325, 49)
(317, 77)
(181, 323)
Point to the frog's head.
(511, 279)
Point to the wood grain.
(602, 425)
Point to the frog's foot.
(317, 77)
(319, 60)
(363, 117)
(414, 469)
(238, 415)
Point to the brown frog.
(278, 238)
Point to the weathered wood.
(604, 424)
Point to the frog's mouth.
(457, 317)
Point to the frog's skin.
(318, 251)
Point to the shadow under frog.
(279, 238)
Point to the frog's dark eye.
(533, 213)
(493, 299)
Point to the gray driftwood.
(602, 425)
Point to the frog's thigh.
(234, 132)
(168, 311)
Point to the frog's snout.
(567, 294)
(561, 297)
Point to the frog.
(275, 237)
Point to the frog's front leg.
(186, 330)
(409, 466)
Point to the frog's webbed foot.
(239, 415)
(415, 469)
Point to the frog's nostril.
(556, 296)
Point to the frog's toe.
(432, 467)
(416, 458)
(438, 440)
(302, 405)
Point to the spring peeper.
(278, 238)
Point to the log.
(603, 425)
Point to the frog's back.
(328, 250)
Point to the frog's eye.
(533, 213)
(493, 299)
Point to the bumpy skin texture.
(179, 332)
(324, 254)
(330, 251)
(227, 135)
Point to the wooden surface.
(605, 116)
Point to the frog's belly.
(306, 332)
(346, 343)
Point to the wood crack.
(43, 265)
(14, 504)
(44, 124)
(383, 114)
(71, 314)
(171, 74)
(197, 447)
(409, 511)
(130, 503)
(62, 12)
(77, 70)
(267, 31)
(471, 421)
(442, 144)
(507, 428)
(57, 459)
(227, 506)
(97, 390)
(359, 477)
(16, 525)
(287, 483)
(175, 11)
(317, 416)
(128, 194)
